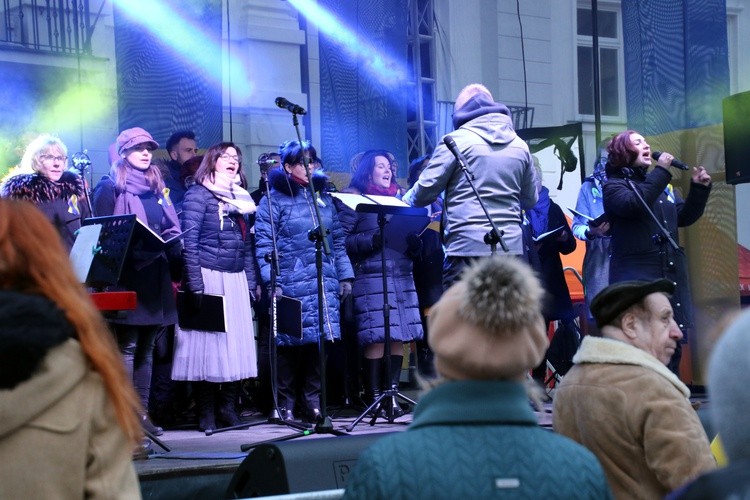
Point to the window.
(610, 49)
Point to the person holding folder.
(374, 176)
(219, 260)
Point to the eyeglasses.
(53, 157)
(226, 156)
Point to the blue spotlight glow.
(387, 71)
(184, 37)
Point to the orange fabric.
(575, 260)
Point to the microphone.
(267, 162)
(451, 144)
(675, 162)
(290, 106)
(81, 161)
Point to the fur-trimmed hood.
(610, 351)
(39, 189)
(278, 179)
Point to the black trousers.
(298, 372)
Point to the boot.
(395, 378)
(204, 401)
(372, 378)
(227, 411)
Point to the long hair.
(207, 168)
(40, 145)
(119, 174)
(33, 260)
(361, 177)
(621, 151)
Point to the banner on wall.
(559, 153)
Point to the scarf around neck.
(391, 190)
(127, 201)
(228, 190)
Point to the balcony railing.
(523, 117)
(50, 26)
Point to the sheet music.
(84, 249)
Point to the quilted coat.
(476, 439)
(367, 291)
(292, 217)
(213, 242)
(634, 414)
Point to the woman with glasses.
(45, 181)
(135, 186)
(219, 260)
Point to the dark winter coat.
(635, 253)
(292, 219)
(152, 283)
(63, 202)
(214, 242)
(557, 302)
(367, 290)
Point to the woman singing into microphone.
(639, 250)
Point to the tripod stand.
(387, 398)
(318, 235)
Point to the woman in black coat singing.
(639, 249)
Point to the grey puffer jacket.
(212, 241)
(292, 217)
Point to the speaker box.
(736, 110)
(304, 465)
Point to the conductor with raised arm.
(501, 169)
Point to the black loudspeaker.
(737, 137)
(308, 464)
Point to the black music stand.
(119, 234)
(395, 221)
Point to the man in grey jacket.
(503, 174)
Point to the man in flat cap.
(474, 434)
(622, 403)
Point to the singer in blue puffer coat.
(293, 215)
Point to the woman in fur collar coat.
(59, 193)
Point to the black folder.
(210, 317)
(289, 316)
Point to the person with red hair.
(69, 414)
(640, 251)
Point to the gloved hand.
(413, 244)
(271, 292)
(345, 289)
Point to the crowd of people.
(292, 247)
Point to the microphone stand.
(318, 233)
(273, 258)
(81, 162)
(665, 234)
(494, 236)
